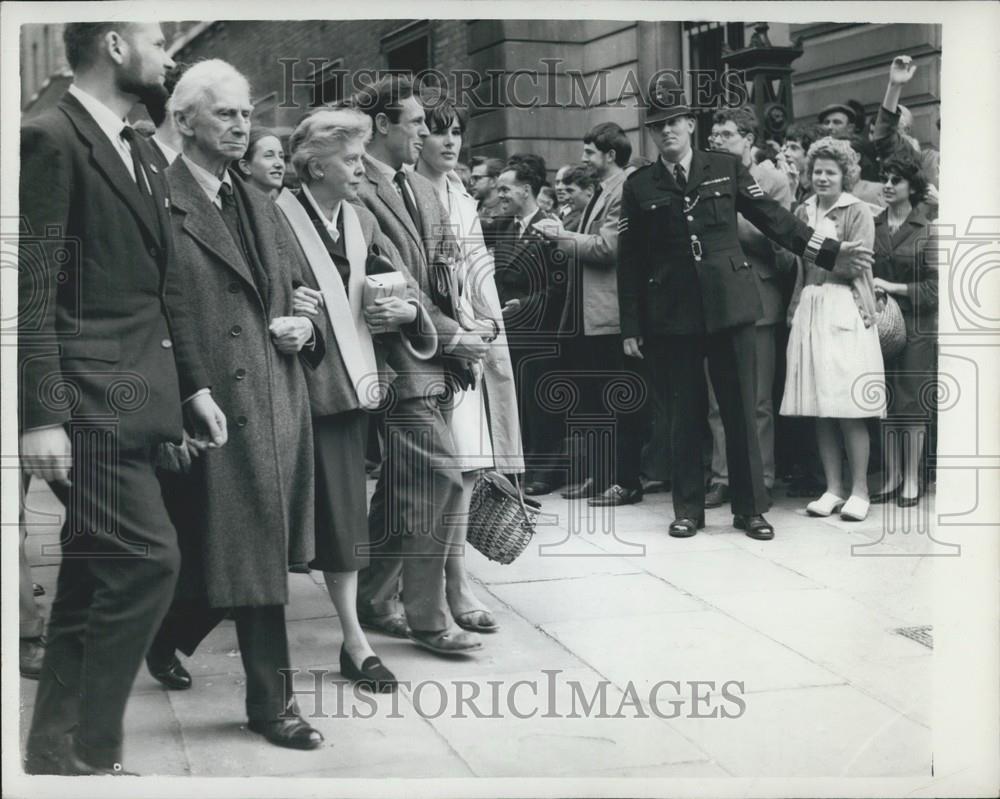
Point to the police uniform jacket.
(681, 269)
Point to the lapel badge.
(153, 169)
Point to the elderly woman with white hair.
(365, 351)
(835, 371)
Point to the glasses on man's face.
(723, 134)
(892, 180)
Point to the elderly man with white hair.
(246, 518)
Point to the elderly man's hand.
(207, 420)
(290, 333)
(852, 259)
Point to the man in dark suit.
(531, 282)
(105, 357)
(687, 292)
(590, 326)
(418, 488)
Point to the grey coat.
(247, 508)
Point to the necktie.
(404, 190)
(585, 221)
(231, 216)
(520, 228)
(680, 177)
(128, 134)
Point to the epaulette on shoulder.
(638, 170)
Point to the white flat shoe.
(855, 509)
(825, 505)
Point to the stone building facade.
(531, 85)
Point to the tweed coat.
(416, 248)
(246, 509)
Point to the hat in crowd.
(844, 109)
(666, 102)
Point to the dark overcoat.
(247, 508)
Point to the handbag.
(890, 324)
(501, 521)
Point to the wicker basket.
(891, 327)
(501, 523)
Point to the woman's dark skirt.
(341, 501)
(912, 375)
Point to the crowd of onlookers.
(380, 301)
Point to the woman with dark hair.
(263, 165)
(835, 370)
(487, 435)
(903, 240)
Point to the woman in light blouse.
(835, 371)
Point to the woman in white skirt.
(484, 420)
(835, 370)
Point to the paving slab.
(559, 737)
(832, 731)
(594, 597)
(696, 646)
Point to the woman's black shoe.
(907, 502)
(884, 496)
(372, 675)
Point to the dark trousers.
(263, 643)
(119, 566)
(413, 518)
(676, 365)
(607, 422)
(543, 422)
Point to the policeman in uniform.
(686, 292)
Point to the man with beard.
(96, 278)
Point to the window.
(408, 49)
(329, 83)
(704, 45)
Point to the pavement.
(622, 653)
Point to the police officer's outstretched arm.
(847, 259)
(630, 271)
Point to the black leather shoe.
(78, 767)
(372, 675)
(37, 590)
(685, 527)
(717, 495)
(536, 488)
(291, 732)
(170, 673)
(616, 495)
(755, 526)
(581, 491)
(884, 496)
(901, 501)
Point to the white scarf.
(344, 310)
